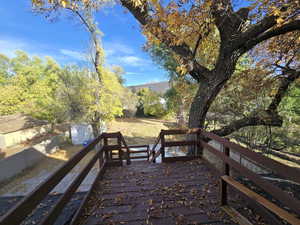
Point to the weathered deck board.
(145, 193)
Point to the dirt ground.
(135, 131)
(28, 179)
(140, 130)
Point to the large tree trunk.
(96, 130)
(206, 94)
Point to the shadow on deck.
(145, 193)
(181, 190)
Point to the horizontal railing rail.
(132, 153)
(105, 153)
(283, 170)
(161, 139)
(155, 154)
(18, 213)
(201, 141)
(278, 168)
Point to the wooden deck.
(171, 193)
(147, 193)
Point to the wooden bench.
(261, 200)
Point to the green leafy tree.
(150, 103)
(30, 87)
(79, 93)
(4, 69)
(179, 97)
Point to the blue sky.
(66, 40)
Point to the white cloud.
(113, 48)
(73, 54)
(132, 73)
(8, 47)
(132, 61)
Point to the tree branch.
(221, 9)
(197, 45)
(282, 89)
(255, 30)
(141, 14)
(256, 39)
(268, 117)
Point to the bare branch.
(250, 43)
(268, 117)
(255, 120)
(197, 45)
(282, 89)
(141, 14)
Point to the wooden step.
(139, 157)
(139, 151)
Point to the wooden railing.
(278, 168)
(200, 143)
(143, 149)
(154, 153)
(103, 155)
(194, 142)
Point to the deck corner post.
(153, 156)
(199, 148)
(226, 171)
(100, 159)
(226, 165)
(162, 149)
(120, 149)
(223, 190)
(105, 149)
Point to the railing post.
(105, 148)
(148, 153)
(162, 149)
(226, 165)
(128, 161)
(226, 171)
(101, 155)
(120, 149)
(153, 156)
(199, 150)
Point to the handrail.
(155, 154)
(19, 212)
(267, 186)
(180, 131)
(279, 168)
(128, 162)
(172, 143)
(51, 217)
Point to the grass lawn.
(140, 130)
(135, 131)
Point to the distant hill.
(159, 87)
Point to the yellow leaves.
(181, 69)
(273, 92)
(137, 3)
(64, 3)
(276, 12)
(279, 20)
